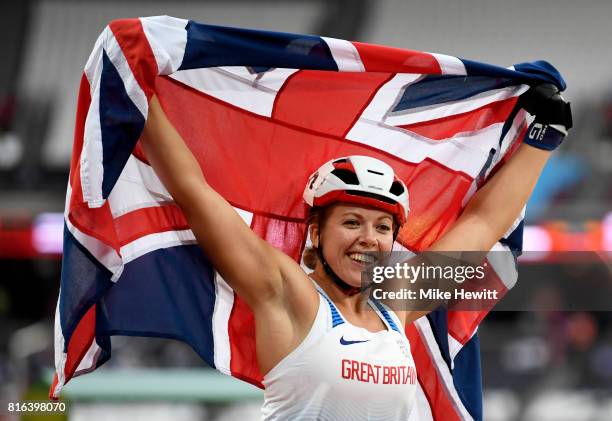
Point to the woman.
(322, 354)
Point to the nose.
(367, 236)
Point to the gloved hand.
(553, 116)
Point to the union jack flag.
(261, 111)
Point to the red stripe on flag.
(380, 58)
(138, 152)
(52, 388)
(447, 127)
(327, 104)
(442, 407)
(80, 341)
(241, 332)
(133, 42)
(95, 222)
(286, 236)
(276, 159)
(151, 220)
(461, 323)
(83, 104)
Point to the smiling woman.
(363, 205)
(317, 219)
(324, 356)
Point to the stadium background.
(536, 365)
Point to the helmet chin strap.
(348, 289)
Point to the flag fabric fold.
(260, 111)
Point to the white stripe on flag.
(246, 216)
(511, 137)
(60, 355)
(387, 96)
(224, 302)
(254, 92)
(444, 374)
(92, 170)
(88, 363)
(450, 65)
(137, 187)
(93, 66)
(167, 37)
(503, 263)
(454, 346)
(515, 129)
(433, 112)
(399, 247)
(467, 153)
(157, 241)
(345, 55)
(102, 252)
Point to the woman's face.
(348, 232)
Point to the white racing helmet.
(360, 180)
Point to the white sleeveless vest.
(344, 372)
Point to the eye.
(384, 228)
(351, 223)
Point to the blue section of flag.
(438, 320)
(434, 90)
(120, 122)
(210, 46)
(467, 377)
(167, 293)
(528, 73)
(78, 297)
(542, 70)
(515, 239)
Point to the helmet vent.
(375, 172)
(396, 188)
(371, 195)
(347, 176)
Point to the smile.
(362, 258)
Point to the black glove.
(553, 116)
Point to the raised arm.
(496, 205)
(493, 209)
(252, 267)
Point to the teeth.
(360, 257)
